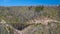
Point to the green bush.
(39, 8)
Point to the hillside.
(30, 20)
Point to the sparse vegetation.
(39, 8)
(18, 17)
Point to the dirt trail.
(42, 21)
(34, 21)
